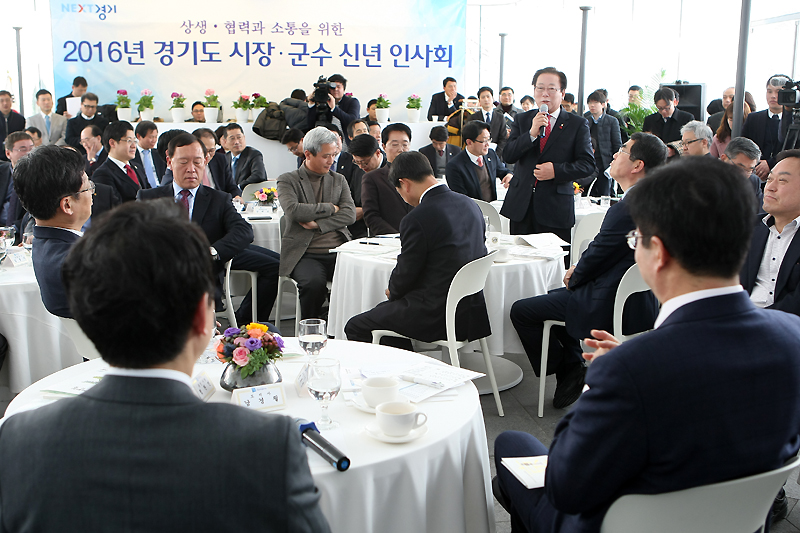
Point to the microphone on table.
(321, 446)
(543, 109)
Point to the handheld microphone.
(321, 446)
(544, 110)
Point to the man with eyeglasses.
(768, 127)
(696, 139)
(473, 171)
(87, 117)
(52, 184)
(17, 145)
(587, 302)
(383, 206)
(92, 142)
(667, 122)
(550, 151)
(119, 171)
(744, 154)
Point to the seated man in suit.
(384, 208)
(124, 454)
(745, 155)
(439, 152)
(771, 273)
(692, 402)
(444, 232)
(696, 139)
(604, 129)
(344, 165)
(492, 116)
(473, 171)
(218, 171)
(10, 120)
(445, 102)
(52, 125)
(52, 184)
(247, 163)
(229, 234)
(318, 208)
(146, 156)
(88, 117)
(17, 145)
(666, 124)
(356, 128)
(92, 142)
(119, 171)
(767, 127)
(587, 302)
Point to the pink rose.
(256, 333)
(240, 356)
(239, 341)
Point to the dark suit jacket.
(597, 275)
(755, 129)
(110, 174)
(14, 122)
(462, 174)
(684, 405)
(352, 175)
(160, 164)
(347, 110)
(5, 192)
(439, 107)
(220, 174)
(105, 199)
(671, 129)
(91, 167)
(787, 293)
(77, 124)
(50, 249)
(249, 167)
(430, 152)
(124, 456)
(715, 120)
(608, 139)
(383, 206)
(570, 151)
(497, 127)
(442, 234)
(213, 211)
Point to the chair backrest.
(470, 279)
(585, 232)
(248, 194)
(84, 345)
(630, 283)
(738, 506)
(488, 210)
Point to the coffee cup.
(502, 254)
(397, 419)
(376, 391)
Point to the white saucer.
(361, 405)
(374, 431)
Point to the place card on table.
(203, 386)
(528, 470)
(18, 258)
(262, 398)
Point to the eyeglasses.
(622, 151)
(483, 141)
(687, 143)
(541, 89)
(23, 149)
(91, 188)
(129, 141)
(361, 162)
(747, 169)
(665, 108)
(632, 237)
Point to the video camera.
(789, 96)
(322, 90)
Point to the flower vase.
(178, 114)
(213, 114)
(241, 115)
(124, 113)
(232, 377)
(147, 114)
(413, 115)
(383, 114)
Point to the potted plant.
(250, 352)
(178, 108)
(123, 105)
(242, 105)
(145, 105)
(212, 101)
(413, 107)
(382, 108)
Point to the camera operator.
(338, 109)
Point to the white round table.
(439, 482)
(266, 233)
(38, 344)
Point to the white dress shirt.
(763, 294)
(177, 196)
(552, 119)
(162, 373)
(673, 304)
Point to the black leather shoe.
(499, 495)
(569, 387)
(780, 508)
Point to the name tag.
(261, 398)
(203, 386)
(21, 258)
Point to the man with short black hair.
(473, 170)
(692, 402)
(341, 109)
(446, 102)
(79, 87)
(357, 127)
(367, 153)
(745, 155)
(119, 171)
(604, 129)
(125, 454)
(17, 145)
(52, 125)
(293, 140)
(88, 117)
(247, 163)
(493, 117)
(35, 134)
(198, 112)
(667, 122)
(506, 105)
(439, 152)
(10, 120)
(146, 155)
(372, 111)
(767, 127)
(217, 172)
(568, 103)
(635, 95)
(375, 129)
(444, 232)
(92, 143)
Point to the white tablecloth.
(435, 484)
(267, 233)
(359, 283)
(580, 212)
(39, 346)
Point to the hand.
(387, 293)
(603, 342)
(508, 132)
(335, 209)
(539, 122)
(544, 172)
(568, 275)
(310, 225)
(67, 115)
(762, 170)
(237, 199)
(507, 180)
(331, 102)
(359, 213)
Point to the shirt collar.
(771, 114)
(50, 114)
(88, 118)
(473, 158)
(673, 304)
(555, 113)
(119, 163)
(162, 373)
(421, 196)
(177, 189)
(76, 232)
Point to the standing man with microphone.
(551, 149)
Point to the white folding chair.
(84, 344)
(630, 284)
(248, 193)
(737, 506)
(488, 210)
(470, 279)
(234, 286)
(587, 229)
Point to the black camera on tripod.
(322, 90)
(789, 96)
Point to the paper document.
(74, 105)
(528, 470)
(540, 240)
(448, 376)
